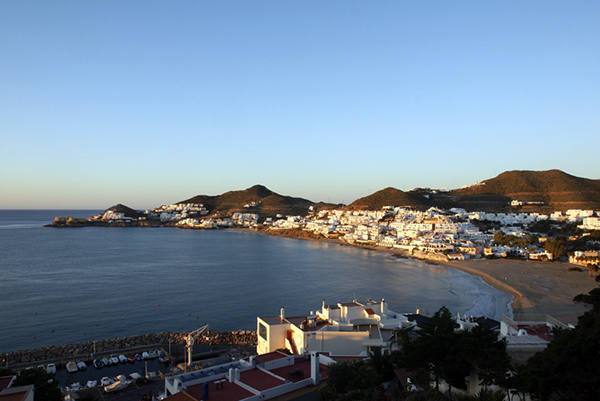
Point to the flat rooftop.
(5, 381)
(259, 380)
(225, 391)
(299, 370)
(270, 356)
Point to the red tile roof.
(540, 330)
(5, 381)
(271, 356)
(300, 370)
(259, 380)
(19, 396)
(181, 396)
(226, 391)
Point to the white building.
(590, 223)
(350, 328)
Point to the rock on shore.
(114, 345)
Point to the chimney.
(418, 312)
(231, 375)
(383, 309)
(282, 313)
(323, 306)
(315, 374)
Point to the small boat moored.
(105, 381)
(122, 358)
(91, 383)
(81, 365)
(98, 364)
(51, 368)
(71, 367)
(119, 384)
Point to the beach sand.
(539, 288)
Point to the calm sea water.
(68, 285)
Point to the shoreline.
(515, 277)
(537, 289)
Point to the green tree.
(568, 368)
(440, 352)
(355, 380)
(46, 388)
(556, 246)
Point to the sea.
(66, 285)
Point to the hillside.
(126, 210)
(269, 203)
(557, 189)
(391, 197)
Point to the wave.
(19, 226)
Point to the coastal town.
(288, 355)
(433, 234)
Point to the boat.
(119, 384)
(105, 381)
(71, 367)
(81, 365)
(91, 383)
(145, 355)
(51, 368)
(114, 359)
(135, 376)
(98, 364)
(106, 361)
(122, 358)
(138, 357)
(75, 386)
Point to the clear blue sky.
(149, 102)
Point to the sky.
(148, 102)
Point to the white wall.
(337, 342)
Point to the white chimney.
(282, 313)
(315, 374)
(383, 309)
(323, 306)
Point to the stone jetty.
(85, 350)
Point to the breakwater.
(86, 350)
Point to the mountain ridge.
(557, 190)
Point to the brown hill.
(126, 210)
(268, 203)
(557, 189)
(391, 197)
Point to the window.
(262, 331)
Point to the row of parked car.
(108, 384)
(75, 366)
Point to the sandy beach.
(538, 288)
